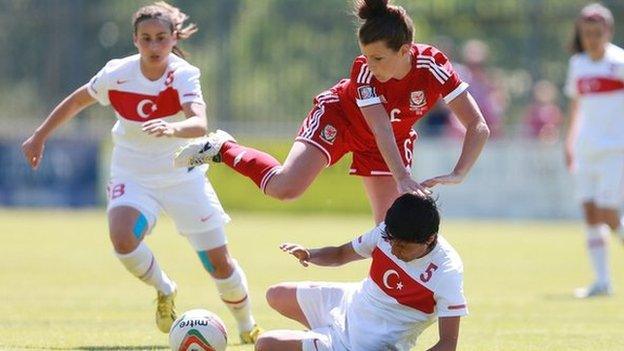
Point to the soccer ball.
(198, 330)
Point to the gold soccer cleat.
(250, 337)
(165, 311)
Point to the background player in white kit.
(148, 91)
(415, 276)
(595, 140)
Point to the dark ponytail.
(385, 22)
(369, 9)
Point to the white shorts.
(600, 179)
(193, 206)
(324, 306)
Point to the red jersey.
(407, 100)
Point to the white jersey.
(599, 87)
(398, 299)
(135, 100)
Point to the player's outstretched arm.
(379, 122)
(477, 133)
(33, 146)
(329, 256)
(448, 328)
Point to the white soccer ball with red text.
(198, 330)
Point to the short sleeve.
(445, 80)
(570, 88)
(361, 84)
(99, 85)
(449, 296)
(366, 243)
(188, 85)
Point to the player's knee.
(276, 295)
(288, 192)
(221, 268)
(123, 241)
(272, 294)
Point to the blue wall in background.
(67, 175)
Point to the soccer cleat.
(202, 150)
(593, 290)
(251, 336)
(165, 311)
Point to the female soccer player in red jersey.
(391, 86)
(157, 99)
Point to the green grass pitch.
(61, 288)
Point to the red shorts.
(327, 128)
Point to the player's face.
(155, 40)
(594, 36)
(384, 62)
(408, 251)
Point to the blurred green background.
(265, 60)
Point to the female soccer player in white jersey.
(595, 140)
(415, 278)
(157, 99)
(371, 114)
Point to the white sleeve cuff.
(453, 94)
(193, 99)
(372, 101)
(94, 94)
(358, 249)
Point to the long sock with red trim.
(143, 265)
(235, 295)
(597, 236)
(253, 164)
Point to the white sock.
(234, 293)
(597, 236)
(143, 265)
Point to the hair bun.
(367, 9)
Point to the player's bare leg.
(127, 227)
(283, 298)
(597, 233)
(590, 213)
(381, 192)
(283, 182)
(302, 166)
(611, 216)
(231, 283)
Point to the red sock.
(254, 164)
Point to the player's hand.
(451, 178)
(158, 128)
(33, 150)
(409, 185)
(300, 252)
